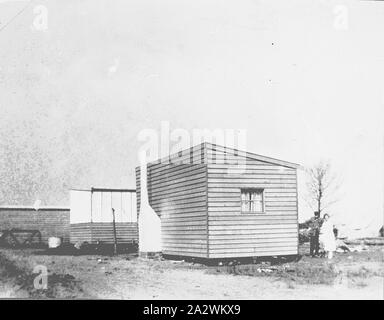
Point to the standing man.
(314, 232)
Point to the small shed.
(218, 202)
(91, 218)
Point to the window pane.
(252, 206)
(258, 206)
(258, 196)
(252, 200)
(244, 206)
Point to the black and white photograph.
(190, 155)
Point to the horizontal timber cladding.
(197, 194)
(81, 232)
(177, 192)
(232, 233)
(93, 232)
(50, 221)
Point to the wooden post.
(114, 232)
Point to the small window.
(252, 200)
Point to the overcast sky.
(305, 79)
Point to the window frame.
(250, 190)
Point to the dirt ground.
(348, 276)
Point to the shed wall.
(236, 234)
(91, 216)
(177, 192)
(92, 232)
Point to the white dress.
(327, 237)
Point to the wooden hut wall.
(177, 191)
(236, 234)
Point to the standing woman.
(327, 236)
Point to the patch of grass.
(365, 273)
(318, 274)
(309, 270)
(301, 273)
(362, 272)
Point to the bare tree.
(322, 187)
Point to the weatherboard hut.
(218, 202)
